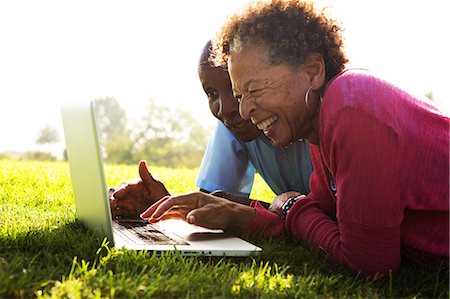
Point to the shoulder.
(224, 146)
(360, 91)
(223, 131)
(352, 84)
(222, 136)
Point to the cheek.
(288, 102)
(290, 107)
(214, 107)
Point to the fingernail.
(191, 218)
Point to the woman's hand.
(279, 201)
(129, 200)
(201, 209)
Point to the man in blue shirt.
(230, 164)
(236, 151)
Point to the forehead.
(247, 57)
(247, 64)
(208, 72)
(251, 66)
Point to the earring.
(307, 97)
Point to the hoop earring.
(307, 97)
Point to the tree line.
(164, 136)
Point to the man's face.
(217, 86)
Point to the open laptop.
(92, 202)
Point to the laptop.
(92, 202)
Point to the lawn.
(46, 252)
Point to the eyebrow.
(250, 82)
(247, 84)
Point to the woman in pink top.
(380, 186)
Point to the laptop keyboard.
(140, 232)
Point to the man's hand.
(129, 200)
(279, 201)
(201, 209)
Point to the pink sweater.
(388, 155)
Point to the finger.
(166, 217)
(176, 212)
(145, 175)
(202, 217)
(155, 187)
(188, 200)
(149, 212)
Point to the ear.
(315, 69)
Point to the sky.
(53, 52)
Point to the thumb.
(145, 175)
(201, 217)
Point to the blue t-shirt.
(230, 164)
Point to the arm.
(214, 212)
(366, 234)
(202, 209)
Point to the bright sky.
(56, 51)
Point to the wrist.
(286, 207)
(243, 215)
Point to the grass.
(45, 252)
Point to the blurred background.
(138, 59)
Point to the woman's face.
(271, 96)
(217, 86)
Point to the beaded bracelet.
(288, 205)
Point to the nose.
(229, 106)
(246, 108)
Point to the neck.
(313, 137)
(315, 105)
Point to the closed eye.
(212, 94)
(255, 91)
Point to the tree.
(120, 149)
(114, 134)
(47, 135)
(164, 136)
(170, 137)
(45, 140)
(111, 118)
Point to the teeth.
(267, 123)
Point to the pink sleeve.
(266, 221)
(344, 243)
(365, 235)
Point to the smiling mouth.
(265, 125)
